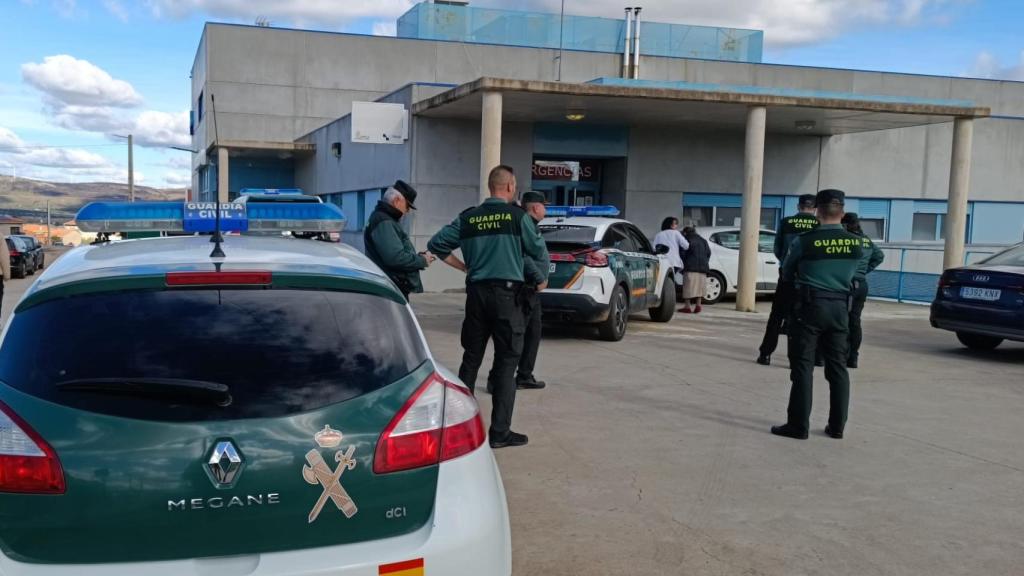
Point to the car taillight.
(439, 422)
(15, 253)
(595, 259)
(562, 257)
(28, 465)
(245, 278)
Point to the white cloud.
(178, 179)
(78, 95)
(117, 9)
(70, 158)
(323, 13)
(987, 65)
(384, 28)
(179, 163)
(70, 81)
(9, 141)
(785, 22)
(153, 128)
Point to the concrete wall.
(277, 84)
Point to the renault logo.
(224, 464)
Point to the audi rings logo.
(980, 278)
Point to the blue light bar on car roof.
(201, 217)
(270, 191)
(582, 211)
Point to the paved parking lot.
(653, 456)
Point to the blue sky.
(74, 72)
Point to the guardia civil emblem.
(319, 473)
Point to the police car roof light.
(173, 216)
(582, 211)
(271, 191)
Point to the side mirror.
(661, 249)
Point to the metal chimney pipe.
(636, 46)
(629, 37)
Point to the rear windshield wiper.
(175, 389)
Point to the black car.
(23, 262)
(984, 302)
(35, 250)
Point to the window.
(279, 351)
(199, 107)
(1012, 257)
(766, 242)
(729, 240)
(727, 216)
(641, 241)
(925, 227)
(873, 228)
(769, 218)
(568, 234)
(616, 237)
(698, 216)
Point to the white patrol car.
(271, 410)
(602, 270)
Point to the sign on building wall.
(570, 171)
(379, 123)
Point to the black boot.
(511, 439)
(831, 433)
(764, 360)
(789, 432)
(530, 384)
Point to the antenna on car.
(217, 238)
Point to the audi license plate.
(551, 268)
(986, 294)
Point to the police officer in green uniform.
(388, 245)
(822, 264)
(495, 237)
(533, 203)
(871, 259)
(782, 304)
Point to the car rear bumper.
(569, 307)
(958, 318)
(467, 536)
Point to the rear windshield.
(1012, 257)
(573, 234)
(279, 351)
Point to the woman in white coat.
(673, 239)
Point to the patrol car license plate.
(986, 294)
(551, 268)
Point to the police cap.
(830, 196)
(533, 198)
(408, 192)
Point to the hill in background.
(26, 198)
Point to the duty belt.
(816, 294)
(506, 284)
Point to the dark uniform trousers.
(782, 306)
(860, 296)
(819, 319)
(493, 311)
(531, 338)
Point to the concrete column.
(750, 224)
(223, 166)
(490, 138)
(959, 185)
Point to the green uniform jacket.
(791, 227)
(536, 267)
(494, 238)
(826, 258)
(872, 258)
(389, 247)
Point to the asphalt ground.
(653, 456)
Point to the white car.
(603, 270)
(275, 410)
(725, 262)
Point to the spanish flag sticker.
(410, 568)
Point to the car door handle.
(772, 262)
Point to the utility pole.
(49, 239)
(131, 172)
